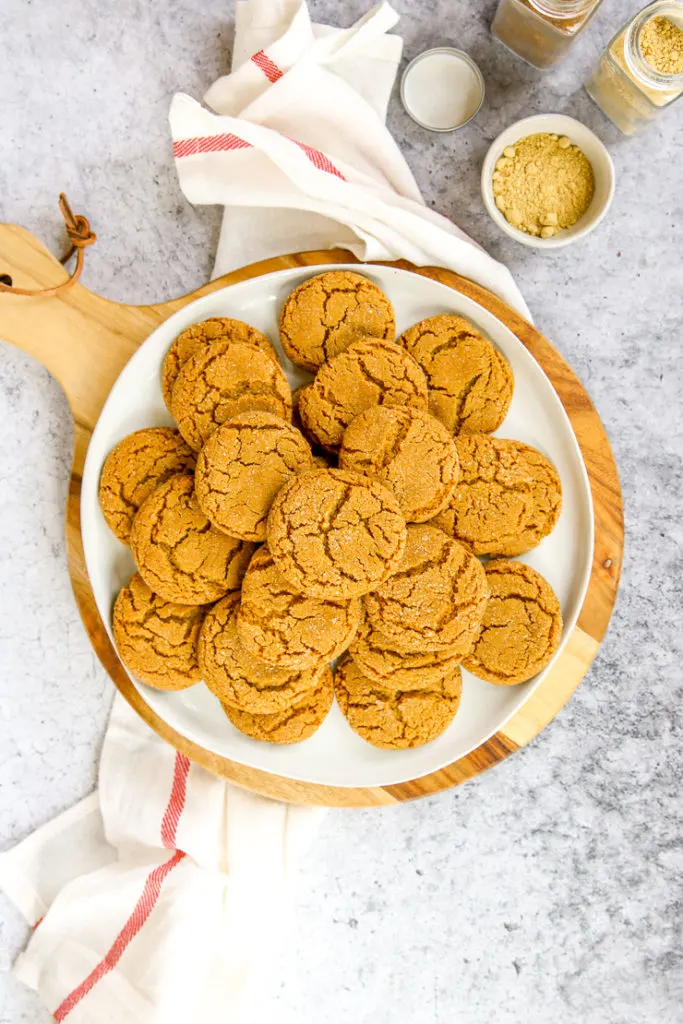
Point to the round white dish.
(585, 139)
(442, 89)
(335, 755)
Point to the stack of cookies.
(275, 534)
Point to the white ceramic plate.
(335, 755)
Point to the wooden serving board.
(85, 341)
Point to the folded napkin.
(299, 155)
(161, 898)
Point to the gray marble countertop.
(549, 889)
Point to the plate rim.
(372, 269)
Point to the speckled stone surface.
(548, 890)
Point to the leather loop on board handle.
(80, 236)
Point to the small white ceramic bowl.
(585, 139)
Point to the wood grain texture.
(85, 341)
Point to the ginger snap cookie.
(241, 468)
(157, 639)
(410, 452)
(179, 554)
(327, 313)
(282, 627)
(368, 373)
(508, 499)
(134, 468)
(522, 625)
(435, 599)
(223, 379)
(296, 395)
(198, 336)
(470, 382)
(396, 719)
(321, 459)
(236, 677)
(382, 662)
(301, 719)
(335, 534)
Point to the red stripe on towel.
(169, 825)
(209, 144)
(319, 160)
(150, 893)
(267, 66)
(228, 141)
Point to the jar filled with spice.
(641, 71)
(541, 31)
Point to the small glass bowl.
(477, 80)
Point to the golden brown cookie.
(396, 719)
(133, 469)
(437, 597)
(241, 468)
(470, 383)
(157, 639)
(508, 499)
(410, 452)
(368, 373)
(380, 659)
(335, 534)
(223, 379)
(321, 458)
(522, 625)
(327, 313)
(282, 627)
(179, 554)
(197, 336)
(236, 677)
(301, 719)
(296, 395)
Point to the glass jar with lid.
(541, 31)
(641, 71)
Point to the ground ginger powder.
(661, 44)
(543, 183)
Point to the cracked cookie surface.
(243, 466)
(223, 379)
(236, 677)
(380, 659)
(282, 627)
(301, 719)
(508, 499)
(408, 451)
(368, 373)
(335, 534)
(522, 625)
(470, 382)
(396, 719)
(327, 313)
(197, 336)
(435, 599)
(156, 639)
(134, 468)
(179, 554)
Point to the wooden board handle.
(82, 339)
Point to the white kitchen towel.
(164, 898)
(298, 154)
